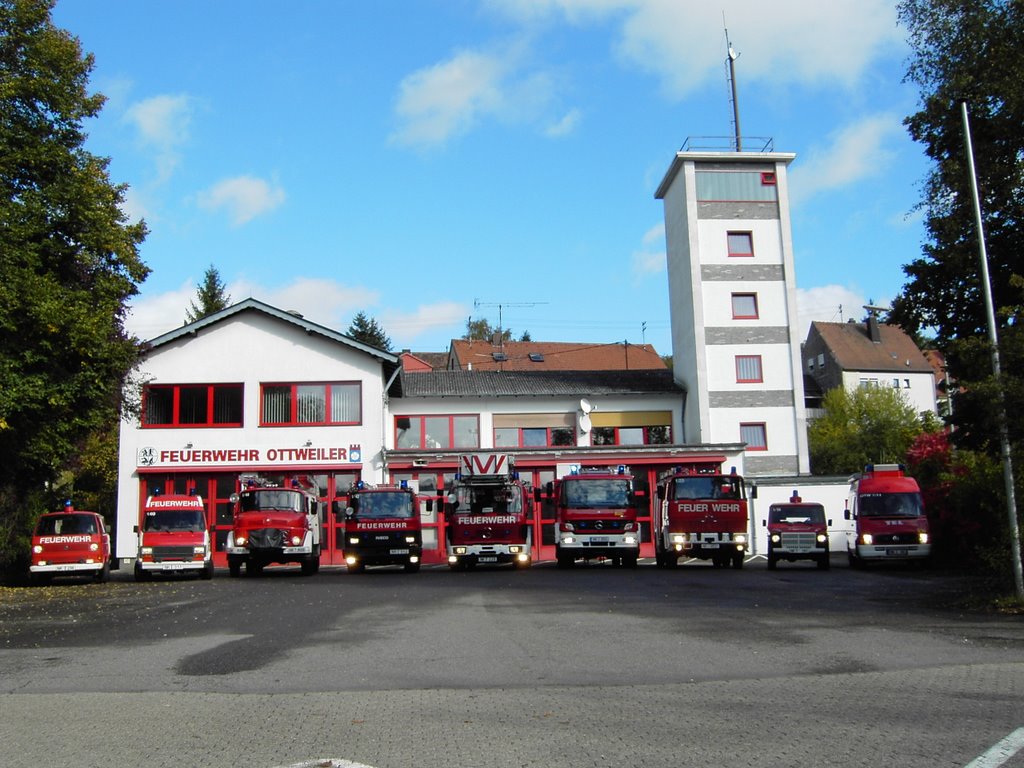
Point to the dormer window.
(536, 357)
(499, 357)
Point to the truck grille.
(895, 538)
(798, 542)
(599, 525)
(266, 538)
(163, 554)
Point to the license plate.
(174, 566)
(710, 544)
(65, 568)
(598, 540)
(896, 552)
(399, 551)
(487, 559)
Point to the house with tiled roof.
(423, 362)
(869, 354)
(476, 355)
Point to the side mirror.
(829, 522)
(847, 515)
(753, 491)
(350, 512)
(550, 488)
(661, 493)
(428, 505)
(453, 501)
(764, 523)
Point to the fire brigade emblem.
(147, 457)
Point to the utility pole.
(993, 340)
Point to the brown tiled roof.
(418, 362)
(554, 356)
(853, 349)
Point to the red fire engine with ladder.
(702, 513)
(486, 510)
(275, 524)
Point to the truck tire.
(207, 571)
(772, 561)
(140, 574)
(311, 565)
(824, 563)
(412, 567)
(629, 561)
(737, 561)
(103, 574)
(565, 561)
(234, 567)
(356, 567)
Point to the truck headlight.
(199, 550)
(776, 538)
(37, 549)
(678, 538)
(146, 551)
(296, 540)
(922, 537)
(739, 538)
(239, 541)
(353, 540)
(410, 539)
(822, 538)
(514, 549)
(867, 538)
(629, 539)
(94, 547)
(460, 550)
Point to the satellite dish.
(585, 406)
(585, 424)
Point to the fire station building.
(256, 390)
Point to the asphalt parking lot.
(593, 666)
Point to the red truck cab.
(595, 517)
(174, 537)
(275, 524)
(382, 527)
(703, 515)
(797, 530)
(72, 542)
(889, 522)
(487, 515)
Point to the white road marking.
(327, 762)
(1001, 752)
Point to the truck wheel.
(234, 567)
(522, 565)
(39, 579)
(855, 562)
(140, 574)
(412, 567)
(737, 561)
(356, 567)
(565, 561)
(103, 574)
(629, 561)
(208, 570)
(824, 563)
(311, 565)
(772, 561)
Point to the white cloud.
(134, 208)
(565, 126)
(405, 327)
(683, 43)
(162, 123)
(830, 304)
(856, 152)
(451, 98)
(244, 197)
(650, 260)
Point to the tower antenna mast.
(732, 56)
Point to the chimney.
(873, 333)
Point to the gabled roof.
(853, 350)
(553, 356)
(419, 362)
(538, 383)
(292, 318)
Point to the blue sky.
(425, 161)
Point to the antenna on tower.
(732, 56)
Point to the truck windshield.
(490, 500)
(589, 494)
(62, 525)
(289, 501)
(378, 505)
(891, 505)
(728, 487)
(177, 520)
(795, 514)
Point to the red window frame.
(520, 443)
(762, 428)
(752, 296)
(646, 432)
(768, 178)
(421, 417)
(749, 236)
(176, 398)
(293, 420)
(739, 370)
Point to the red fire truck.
(595, 516)
(174, 537)
(889, 521)
(702, 514)
(797, 530)
(70, 543)
(382, 527)
(275, 524)
(486, 511)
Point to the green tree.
(973, 53)
(211, 296)
(369, 331)
(69, 260)
(867, 425)
(481, 330)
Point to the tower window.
(744, 306)
(741, 244)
